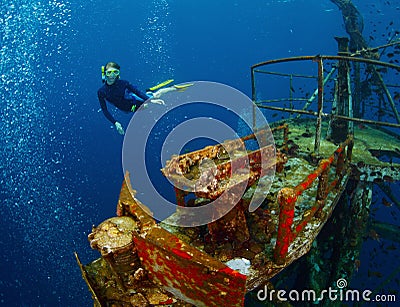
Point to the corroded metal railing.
(287, 197)
(285, 138)
(223, 169)
(319, 92)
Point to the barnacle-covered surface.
(119, 278)
(369, 142)
(143, 292)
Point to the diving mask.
(114, 72)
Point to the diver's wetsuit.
(120, 95)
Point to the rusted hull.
(187, 273)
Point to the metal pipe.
(180, 197)
(326, 57)
(253, 93)
(323, 180)
(358, 120)
(283, 74)
(311, 99)
(350, 105)
(287, 200)
(389, 97)
(291, 91)
(334, 110)
(320, 106)
(282, 99)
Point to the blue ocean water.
(61, 161)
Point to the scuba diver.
(125, 96)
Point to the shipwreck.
(336, 131)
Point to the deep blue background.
(61, 161)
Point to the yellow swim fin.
(156, 87)
(182, 87)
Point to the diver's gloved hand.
(157, 101)
(119, 128)
(156, 95)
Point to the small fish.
(374, 274)
(388, 178)
(386, 203)
(360, 164)
(391, 247)
(390, 55)
(375, 153)
(357, 264)
(374, 235)
(383, 69)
